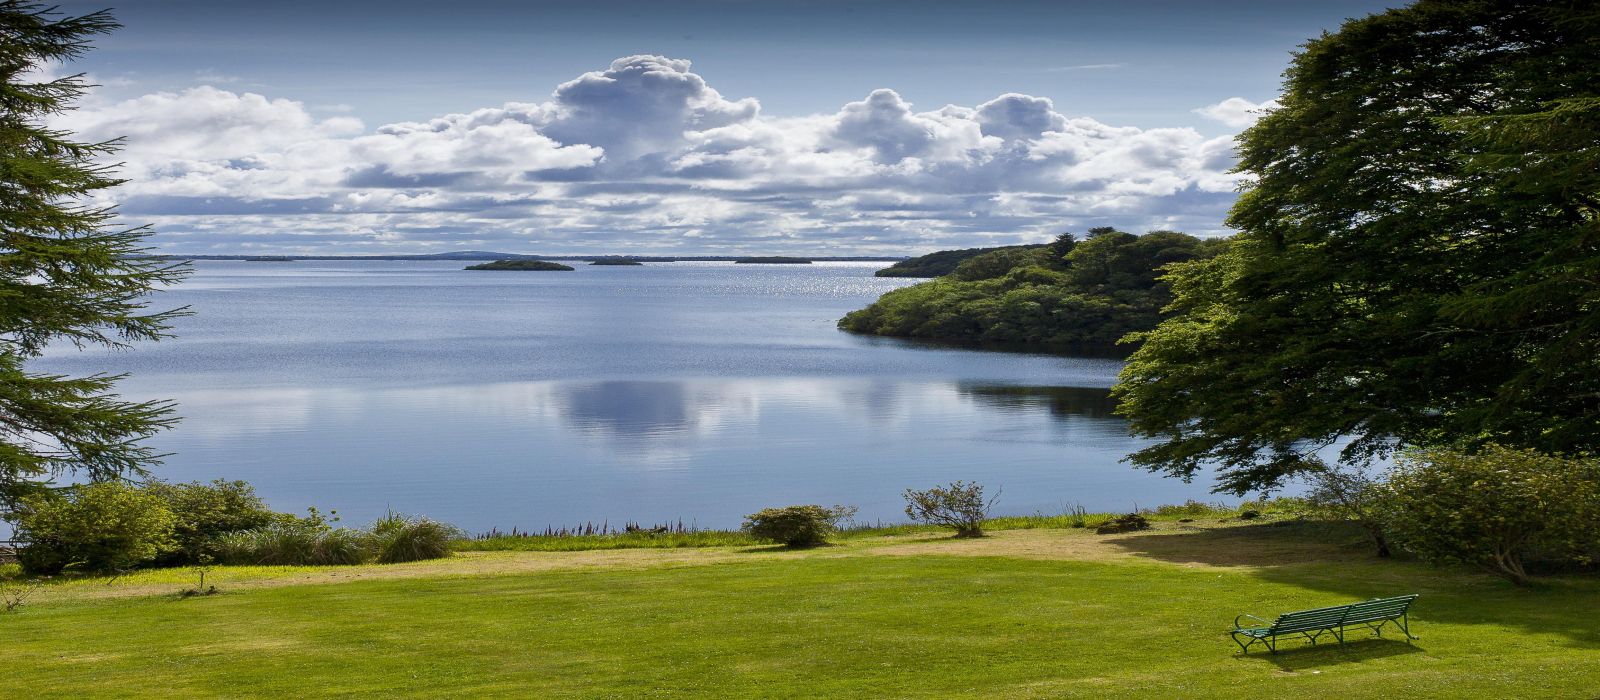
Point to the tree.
(68, 276)
(1418, 260)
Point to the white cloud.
(1236, 112)
(645, 156)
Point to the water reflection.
(1062, 401)
(712, 449)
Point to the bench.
(1312, 624)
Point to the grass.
(1025, 613)
(573, 540)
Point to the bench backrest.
(1323, 618)
(1308, 620)
(1378, 609)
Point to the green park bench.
(1311, 624)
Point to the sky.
(691, 127)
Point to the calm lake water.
(700, 391)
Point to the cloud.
(1236, 112)
(645, 156)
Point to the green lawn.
(1026, 613)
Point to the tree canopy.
(1418, 260)
(68, 276)
(1070, 294)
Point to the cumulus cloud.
(646, 156)
(1236, 112)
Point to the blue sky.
(740, 127)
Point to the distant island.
(269, 258)
(539, 265)
(615, 261)
(941, 263)
(774, 260)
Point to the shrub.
(1494, 508)
(314, 541)
(206, 512)
(1126, 523)
(959, 505)
(397, 538)
(796, 526)
(101, 527)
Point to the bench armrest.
(1236, 624)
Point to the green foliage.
(315, 541)
(67, 277)
(108, 526)
(1416, 261)
(204, 513)
(939, 263)
(397, 538)
(1495, 508)
(1089, 297)
(796, 526)
(997, 263)
(958, 505)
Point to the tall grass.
(396, 538)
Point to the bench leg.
(1243, 647)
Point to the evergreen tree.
(68, 275)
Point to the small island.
(774, 260)
(615, 261)
(540, 265)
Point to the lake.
(692, 391)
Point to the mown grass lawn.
(1028, 613)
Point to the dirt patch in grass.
(1065, 545)
(1186, 544)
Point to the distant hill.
(615, 261)
(522, 264)
(774, 260)
(941, 263)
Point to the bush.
(796, 526)
(102, 527)
(1496, 508)
(1127, 523)
(314, 541)
(206, 512)
(397, 538)
(959, 505)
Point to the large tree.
(68, 276)
(1418, 260)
